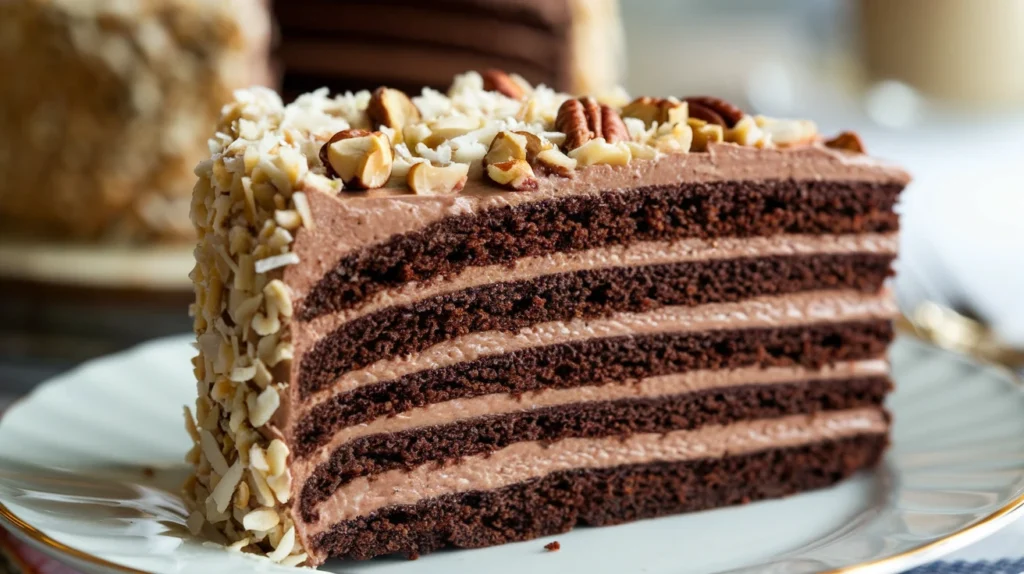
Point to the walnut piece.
(714, 111)
(585, 119)
(849, 141)
(426, 179)
(660, 110)
(500, 81)
(361, 159)
(392, 108)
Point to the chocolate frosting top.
(348, 221)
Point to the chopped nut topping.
(660, 110)
(361, 159)
(393, 109)
(849, 141)
(554, 161)
(787, 133)
(675, 137)
(598, 151)
(503, 83)
(746, 132)
(515, 174)
(705, 134)
(641, 151)
(261, 520)
(714, 111)
(584, 119)
(426, 179)
(534, 145)
(507, 146)
(450, 128)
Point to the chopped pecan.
(714, 111)
(584, 119)
(849, 141)
(499, 81)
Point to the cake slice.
(473, 318)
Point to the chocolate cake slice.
(485, 316)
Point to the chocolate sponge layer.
(597, 497)
(509, 306)
(578, 222)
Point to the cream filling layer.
(529, 460)
(653, 387)
(616, 256)
(812, 307)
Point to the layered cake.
(111, 110)
(483, 316)
(572, 45)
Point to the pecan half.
(499, 81)
(584, 119)
(849, 141)
(714, 111)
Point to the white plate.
(74, 459)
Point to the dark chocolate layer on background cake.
(501, 313)
(352, 45)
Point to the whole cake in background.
(572, 45)
(107, 106)
(493, 314)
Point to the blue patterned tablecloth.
(1005, 566)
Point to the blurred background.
(105, 106)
